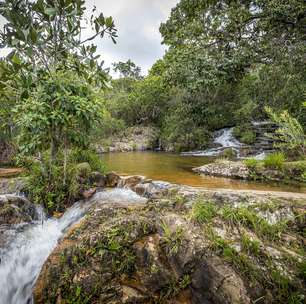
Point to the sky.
(138, 24)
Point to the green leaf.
(16, 59)
(109, 22)
(33, 35)
(50, 11)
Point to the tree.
(213, 41)
(44, 34)
(47, 38)
(7, 101)
(60, 112)
(128, 69)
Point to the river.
(176, 168)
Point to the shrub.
(251, 163)
(245, 134)
(87, 156)
(56, 186)
(275, 160)
(290, 135)
(248, 137)
(229, 153)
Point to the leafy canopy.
(127, 69)
(44, 34)
(62, 108)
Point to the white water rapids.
(23, 259)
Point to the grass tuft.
(203, 212)
(275, 161)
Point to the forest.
(227, 65)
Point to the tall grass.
(275, 161)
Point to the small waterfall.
(22, 260)
(224, 138)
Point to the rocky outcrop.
(16, 209)
(260, 136)
(291, 172)
(225, 169)
(185, 245)
(132, 139)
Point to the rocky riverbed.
(181, 245)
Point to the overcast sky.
(138, 23)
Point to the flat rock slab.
(225, 169)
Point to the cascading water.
(23, 259)
(224, 138)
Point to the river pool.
(176, 168)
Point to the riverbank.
(288, 172)
(175, 244)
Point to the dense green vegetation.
(51, 89)
(228, 63)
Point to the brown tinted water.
(177, 169)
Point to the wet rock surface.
(184, 245)
(11, 185)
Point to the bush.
(275, 160)
(251, 163)
(245, 134)
(87, 156)
(56, 186)
(45, 186)
(228, 153)
(248, 137)
(290, 135)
